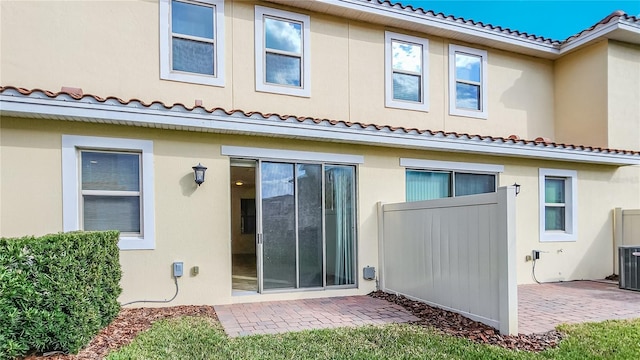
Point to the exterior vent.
(629, 267)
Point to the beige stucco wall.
(624, 95)
(193, 223)
(581, 96)
(110, 48)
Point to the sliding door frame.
(260, 224)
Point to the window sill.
(407, 106)
(283, 90)
(193, 78)
(559, 236)
(469, 113)
(136, 243)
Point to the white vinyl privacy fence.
(455, 253)
(626, 231)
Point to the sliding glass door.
(278, 226)
(307, 227)
(340, 224)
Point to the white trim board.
(64, 107)
(450, 165)
(277, 154)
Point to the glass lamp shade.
(198, 173)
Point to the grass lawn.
(203, 338)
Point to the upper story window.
(108, 185)
(192, 41)
(429, 179)
(406, 72)
(558, 205)
(282, 52)
(467, 82)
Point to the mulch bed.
(131, 322)
(128, 324)
(457, 325)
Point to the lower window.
(111, 191)
(429, 185)
(108, 185)
(557, 205)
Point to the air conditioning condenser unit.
(629, 267)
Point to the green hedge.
(57, 291)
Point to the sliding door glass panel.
(340, 224)
(427, 185)
(278, 226)
(309, 189)
(470, 184)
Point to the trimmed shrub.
(57, 291)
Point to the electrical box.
(178, 268)
(369, 273)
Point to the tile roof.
(457, 19)
(617, 15)
(253, 117)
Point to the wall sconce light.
(198, 173)
(517, 188)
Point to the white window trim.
(453, 110)
(290, 155)
(451, 166)
(261, 85)
(166, 72)
(571, 207)
(71, 184)
(423, 104)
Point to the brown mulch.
(613, 277)
(128, 324)
(457, 325)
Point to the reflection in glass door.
(278, 226)
(309, 184)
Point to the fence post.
(508, 286)
(380, 206)
(617, 236)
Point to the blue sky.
(552, 19)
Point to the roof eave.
(395, 17)
(64, 107)
(616, 30)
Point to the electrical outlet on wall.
(178, 268)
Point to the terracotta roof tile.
(512, 139)
(614, 16)
(462, 20)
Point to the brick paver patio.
(543, 306)
(295, 315)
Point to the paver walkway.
(543, 306)
(295, 315)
